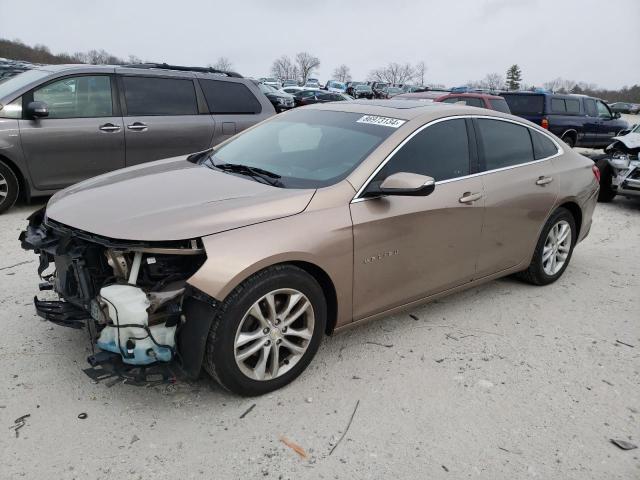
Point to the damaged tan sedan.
(241, 258)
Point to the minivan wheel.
(266, 331)
(9, 187)
(553, 250)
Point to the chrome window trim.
(358, 198)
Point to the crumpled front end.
(133, 297)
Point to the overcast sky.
(459, 40)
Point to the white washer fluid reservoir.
(127, 305)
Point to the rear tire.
(540, 271)
(9, 187)
(569, 140)
(607, 193)
(237, 329)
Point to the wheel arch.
(328, 288)
(23, 186)
(575, 211)
(570, 132)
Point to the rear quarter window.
(543, 147)
(229, 97)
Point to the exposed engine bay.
(131, 296)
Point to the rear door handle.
(137, 126)
(109, 127)
(542, 181)
(468, 197)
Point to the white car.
(272, 82)
(336, 87)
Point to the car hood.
(171, 199)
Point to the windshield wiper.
(266, 176)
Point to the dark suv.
(60, 124)
(580, 121)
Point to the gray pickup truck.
(60, 124)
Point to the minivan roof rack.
(181, 68)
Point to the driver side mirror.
(616, 114)
(403, 184)
(37, 110)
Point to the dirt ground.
(502, 381)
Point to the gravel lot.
(501, 381)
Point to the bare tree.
(560, 85)
(420, 70)
(492, 81)
(394, 73)
(342, 73)
(284, 68)
(223, 63)
(306, 64)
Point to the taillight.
(596, 172)
(544, 123)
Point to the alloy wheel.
(4, 188)
(556, 248)
(274, 334)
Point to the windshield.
(22, 79)
(306, 148)
(363, 87)
(337, 85)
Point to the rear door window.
(525, 104)
(159, 96)
(505, 144)
(573, 105)
(77, 97)
(229, 97)
(590, 107)
(440, 151)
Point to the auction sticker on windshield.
(383, 121)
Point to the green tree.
(514, 77)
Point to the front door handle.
(542, 181)
(468, 197)
(109, 127)
(137, 126)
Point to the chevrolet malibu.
(239, 259)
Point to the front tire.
(9, 187)
(267, 331)
(607, 193)
(553, 250)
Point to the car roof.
(405, 109)
(472, 95)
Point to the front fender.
(321, 237)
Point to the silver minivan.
(60, 124)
